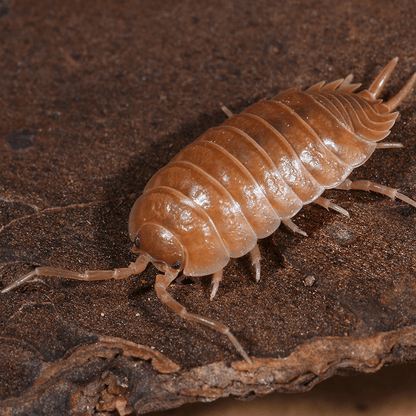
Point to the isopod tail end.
(378, 84)
(398, 98)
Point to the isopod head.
(173, 230)
(163, 248)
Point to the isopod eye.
(177, 264)
(137, 242)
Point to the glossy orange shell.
(235, 183)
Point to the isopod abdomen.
(237, 182)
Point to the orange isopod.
(237, 182)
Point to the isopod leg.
(388, 145)
(182, 277)
(162, 283)
(255, 260)
(216, 279)
(134, 268)
(364, 185)
(292, 226)
(326, 203)
(227, 111)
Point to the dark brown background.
(96, 96)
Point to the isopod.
(237, 182)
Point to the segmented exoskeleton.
(237, 182)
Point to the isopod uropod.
(237, 182)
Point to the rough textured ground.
(95, 97)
